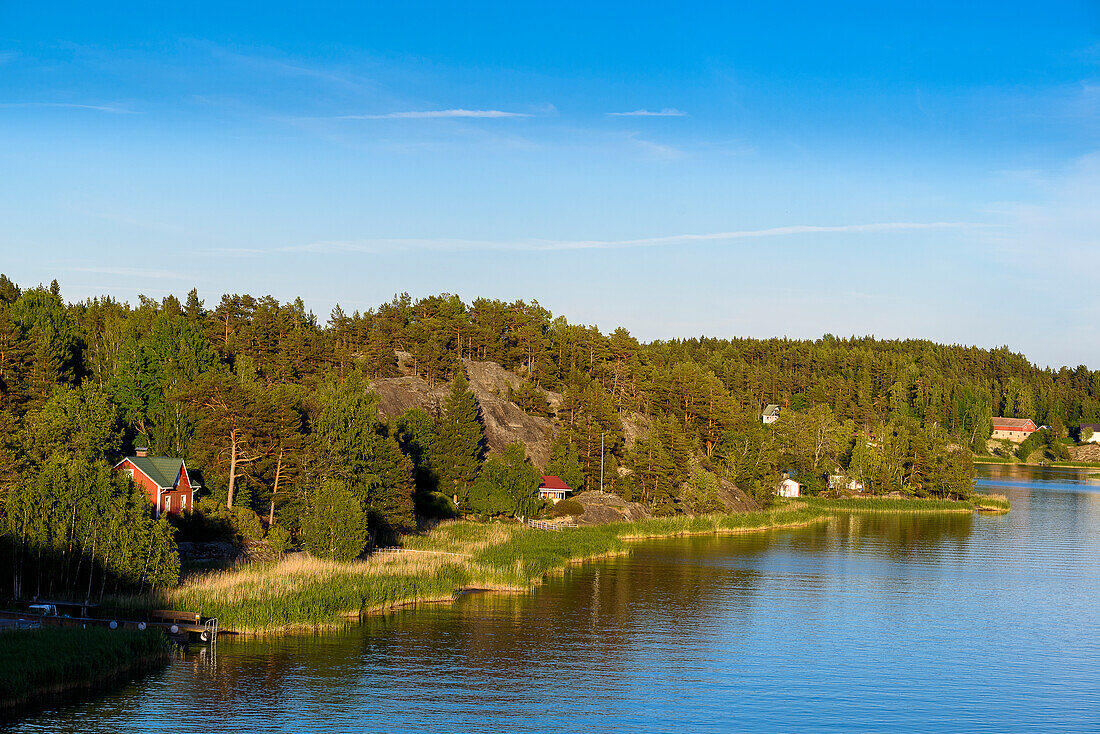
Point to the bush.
(247, 524)
(437, 505)
(564, 508)
(278, 538)
(211, 520)
(335, 526)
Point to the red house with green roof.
(165, 481)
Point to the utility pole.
(601, 462)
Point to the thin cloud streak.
(132, 272)
(667, 112)
(381, 245)
(110, 109)
(435, 114)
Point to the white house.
(1095, 437)
(788, 488)
(839, 481)
(771, 414)
(553, 488)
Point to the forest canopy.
(274, 412)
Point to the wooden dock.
(179, 626)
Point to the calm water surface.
(921, 623)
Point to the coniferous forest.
(272, 408)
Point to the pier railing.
(543, 525)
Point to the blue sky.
(728, 169)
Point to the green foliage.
(76, 421)
(76, 528)
(335, 526)
(247, 524)
(279, 538)
(658, 465)
(417, 437)
(747, 454)
(531, 399)
(588, 413)
(701, 496)
(811, 443)
(508, 484)
(356, 449)
(564, 463)
(461, 442)
(564, 508)
(1043, 445)
(267, 405)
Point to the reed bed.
(995, 502)
(300, 592)
(52, 660)
(888, 505)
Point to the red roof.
(552, 482)
(1013, 424)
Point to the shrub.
(247, 524)
(211, 520)
(278, 538)
(565, 507)
(335, 526)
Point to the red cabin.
(1013, 429)
(165, 481)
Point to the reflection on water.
(868, 623)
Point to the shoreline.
(1051, 465)
(53, 664)
(300, 594)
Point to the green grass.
(996, 502)
(55, 659)
(888, 504)
(299, 592)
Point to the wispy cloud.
(398, 244)
(434, 114)
(666, 112)
(109, 108)
(656, 150)
(132, 272)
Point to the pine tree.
(461, 444)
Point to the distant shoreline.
(1051, 465)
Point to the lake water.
(867, 623)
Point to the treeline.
(273, 412)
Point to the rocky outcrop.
(733, 499)
(604, 507)
(504, 421)
(1089, 452)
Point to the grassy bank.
(888, 505)
(299, 592)
(55, 660)
(1001, 461)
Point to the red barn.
(553, 488)
(1013, 429)
(164, 481)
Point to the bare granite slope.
(504, 421)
